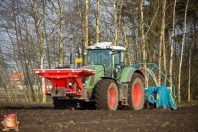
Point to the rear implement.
(159, 95)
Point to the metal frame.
(150, 71)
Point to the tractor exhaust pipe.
(71, 60)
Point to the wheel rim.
(111, 97)
(137, 95)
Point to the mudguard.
(127, 73)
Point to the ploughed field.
(42, 117)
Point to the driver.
(107, 64)
(107, 60)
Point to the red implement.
(71, 79)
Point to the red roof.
(16, 75)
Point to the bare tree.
(151, 31)
(3, 73)
(128, 59)
(119, 20)
(162, 37)
(182, 51)
(115, 21)
(86, 23)
(142, 31)
(41, 43)
(98, 22)
(192, 44)
(172, 44)
(60, 62)
(189, 69)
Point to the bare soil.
(42, 117)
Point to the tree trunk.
(115, 22)
(46, 39)
(3, 71)
(189, 73)
(128, 58)
(142, 32)
(86, 33)
(86, 23)
(98, 22)
(60, 62)
(172, 45)
(119, 21)
(181, 57)
(41, 43)
(190, 64)
(161, 46)
(152, 27)
(163, 43)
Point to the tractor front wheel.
(106, 95)
(136, 95)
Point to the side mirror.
(121, 57)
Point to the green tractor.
(114, 85)
(105, 82)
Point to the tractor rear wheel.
(136, 97)
(106, 95)
(59, 103)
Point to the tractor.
(105, 82)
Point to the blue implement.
(160, 96)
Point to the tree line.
(39, 34)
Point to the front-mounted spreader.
(65, 81)
(159, 95)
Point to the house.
(16, 79)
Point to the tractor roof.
(105, 45)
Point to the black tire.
(136, 97)
(106, 95)
(87, 106)
(148, 105)
(71, 105)
(59, 103)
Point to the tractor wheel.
(136, 97)
(59, 103)
(106, 95)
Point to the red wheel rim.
(112, 97)
(137, 95)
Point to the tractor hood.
(92, 80)
(97, 68)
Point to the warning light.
(90, 42)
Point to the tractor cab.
(111, 57)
